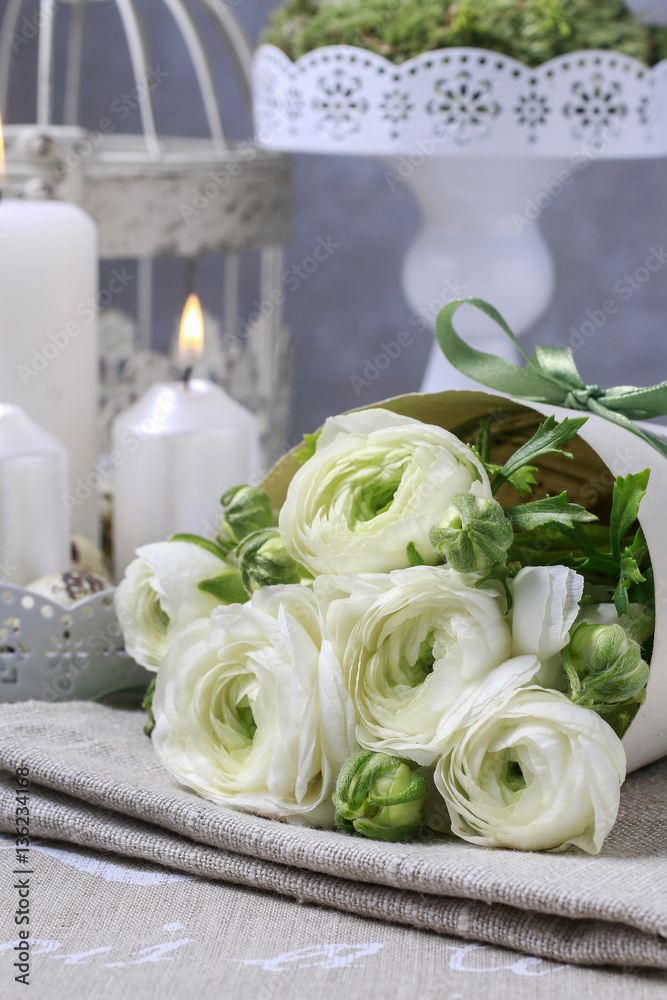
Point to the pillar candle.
(34, 523)
(174, 454)
(48, 332)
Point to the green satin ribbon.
(550, 376)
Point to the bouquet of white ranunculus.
(407, 627)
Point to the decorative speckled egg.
(87, 558)
(68, 588)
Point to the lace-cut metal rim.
(53, 653)
(461, 102)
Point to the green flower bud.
(642, 625)
(474, 535)
(265, 562)
(244, 510)
(380, 796)
(605, 672)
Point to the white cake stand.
(485, 143)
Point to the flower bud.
(380, 796)
(265, 562)
(474, 535)
(244, 510)
(605, 672)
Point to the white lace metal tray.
(60, 654)
(460, 102)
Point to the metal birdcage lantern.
(155, 195)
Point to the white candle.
(48, 333)
(174, 453)
(34, 523)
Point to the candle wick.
(187, 375)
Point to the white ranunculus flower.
(376, 482)
(159, 597)
(546, 603)
(606, 614)
(599, 614)
(545, 607)
(409, 642)
(525, 768)
(251, 708)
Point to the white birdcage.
(154, 195)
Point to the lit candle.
(191, 336)
(175, 452)
(48, 333)
(34, 523)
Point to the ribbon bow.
(550, 376)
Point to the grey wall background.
(599, 229)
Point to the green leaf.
(639, 547)
(523, 479)
(203, 543)
(413, 556)
(226, 586)
(644, 593)
(483, 446)
(136, 689)
(556, 542)
(630, 571)
(309, 446)
(547, 439)
(628, 493)
(551, 510)
(596, 560)
(619, 717)
(621, 599)
(147, 705)
(501, 574)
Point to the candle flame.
(191, 336)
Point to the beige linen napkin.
(96, 782)
(108, 927)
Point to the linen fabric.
(95, 783)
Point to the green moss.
(529, 30)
